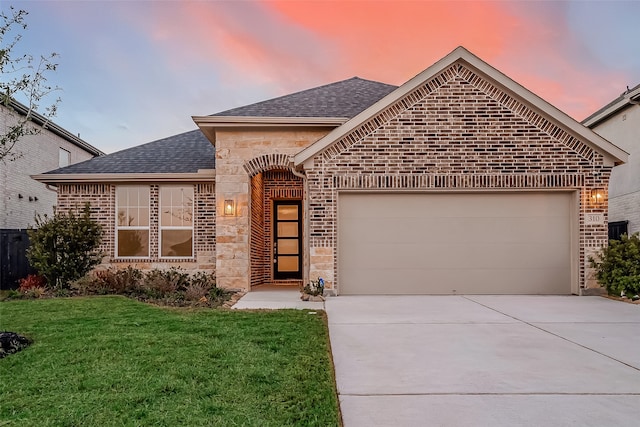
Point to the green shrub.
(112, 281)
(161, 283)
(65, 247)
(204, 279)
(196, 291)
(121, 281)
(618, 266)
(203, 285)
(218, 295)
(169, 287)
(11, 294)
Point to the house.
(460, 181)
(21, 198)
(619, 122)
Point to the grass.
(111, 361)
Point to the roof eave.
(208, 124)
(612, 153)
(203, 175)
(40, 120)
(627, 100)
(234, 121)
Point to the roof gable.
(345, 99)
(461, 63)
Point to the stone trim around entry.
(267, 162)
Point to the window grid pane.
(133, 243)
(176, 222)
(132, 221)
(176, 243)
(176, 207)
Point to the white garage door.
(462, 243)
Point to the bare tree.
(22, 77)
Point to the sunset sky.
(135, 71)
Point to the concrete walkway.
(486, 360)
(275, 297)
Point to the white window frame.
(161, 227)
(136, 227)
(67, 157)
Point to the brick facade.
(259, 261)
(462, 128)
(102, 198)
(456, 131)
(279, 185)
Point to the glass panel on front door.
(287, 243)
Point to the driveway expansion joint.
(556, 335)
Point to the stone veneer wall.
(240, 155)
(456, 131)
(102, 200)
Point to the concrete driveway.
(486, 360)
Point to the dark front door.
(287, 240)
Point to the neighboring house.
(458, 181)
(619, 122)
(21, 198)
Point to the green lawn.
(111, 361)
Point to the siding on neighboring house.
(622, 127)
(39, 153)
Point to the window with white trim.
(176, 221)
(132, 221)
(64, 158)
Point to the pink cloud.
(530, 42)
(238, 41)
(289, 45)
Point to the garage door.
(454, 243)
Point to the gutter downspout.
(305, 227)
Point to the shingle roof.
(190, 151)
(345, 98)
(183, 153)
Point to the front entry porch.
(276, 237)
(275, 297)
